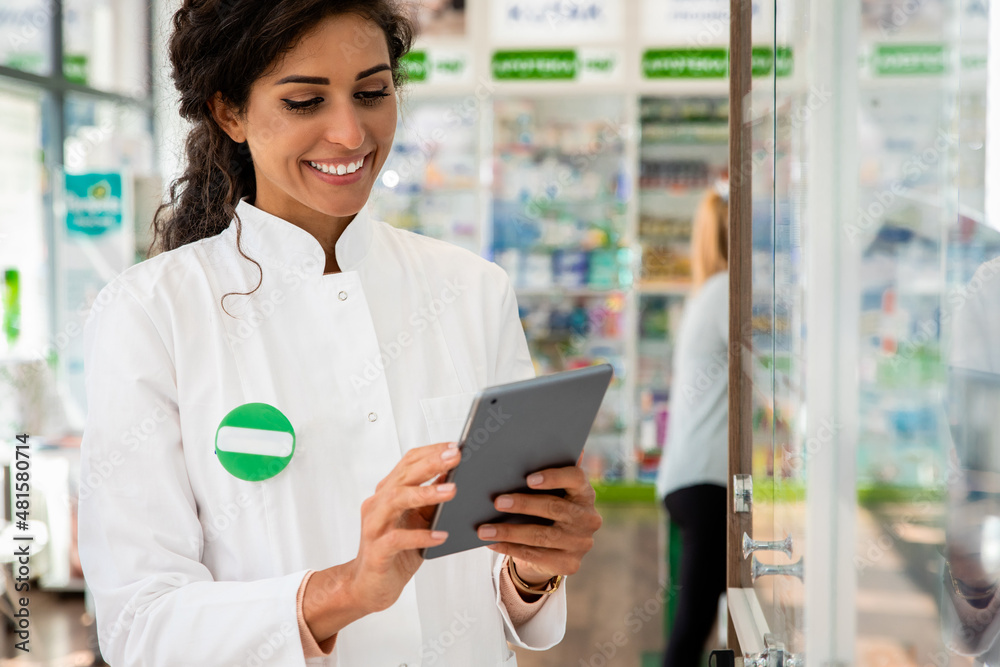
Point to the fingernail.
(439, 534)
(446, 488)
(535, 479)
(449, 454)
(505, 502)
(487, 531)
(453, 445)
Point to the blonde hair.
(710, 238)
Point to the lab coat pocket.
(446, 416)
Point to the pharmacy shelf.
(649, 130)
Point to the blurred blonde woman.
(692, 477)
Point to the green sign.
(712, 63)
(75, 66)
(415, 63)
(436, 65)
(909, 59)
(255, 441)
(601, 64)
(453, 66)
(93, 203)
(535, 65)
(765, 61)
(783, 61)
(705, 63)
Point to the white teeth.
(339, 169)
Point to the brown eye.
(371, 98)
(302, 107)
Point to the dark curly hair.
(225, 46)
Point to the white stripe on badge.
(241, 440)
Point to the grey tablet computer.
(512, 431)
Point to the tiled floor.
(616, 600)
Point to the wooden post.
(740, 288)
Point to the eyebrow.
(323, 81)
(298, 78)
(371, 70)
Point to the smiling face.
(320, 124)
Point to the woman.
(691, 481)
(283, 321)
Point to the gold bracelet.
(549, 587)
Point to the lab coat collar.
(282, 243)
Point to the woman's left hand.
(541, 552)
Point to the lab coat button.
(342, 296)
(372, 416)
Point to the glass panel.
(104, 135)
(105, 45)
(781, 103)
(792, 98)
(911, 245)
(968, 341)
(558, 230)
(26, 35)
(23, 271)
(429, 182)
(767, 467)
(922, 354)
(109, 159)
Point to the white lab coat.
(189, 565)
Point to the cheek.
(277, 141)
(264, 129)
(385, 124)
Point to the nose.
(344, 126)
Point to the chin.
(340, 206)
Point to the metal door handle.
(758, 569)
(772, 657)
(750, 546)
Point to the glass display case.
(874, 394)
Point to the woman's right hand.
(395, 524)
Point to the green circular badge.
(254, 441)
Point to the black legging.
(700, 512)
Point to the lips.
(338, 167)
